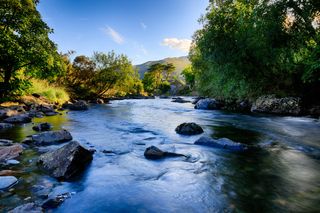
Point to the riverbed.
(284, 176)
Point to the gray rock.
(51, 113)
(5, 113)
(35, 114)
(56, 201)
(273, 105)
(6, 126)
(154, 153)
(18, 119)
(196, 99)
(42, 127)
(27, 208)
(5, 142)
(10, 152)
(7, 182)
(222, 143)
(66, 161)
(189, 129)
(78, 106)
(49, 138)
(208, 104)
(45, 109)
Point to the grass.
(52, 92)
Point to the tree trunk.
(5, 86)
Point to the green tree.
(25, 45)
(168, 69)
(248, 47)
(111, 69)
(157, 77)
(189, 76)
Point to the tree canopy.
(25, 45)
(249, 47)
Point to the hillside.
(180, 63)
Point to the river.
(282, 177)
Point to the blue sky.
(142, 29)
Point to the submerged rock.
(273, 105)
(6, 125)
(154, 153)
(49, 138)
(18, 119)
(27, 208)
(10, 152)
(42, 127)
(189, 129)
(56, 201)
(179, 100)
(66, 161)
(7, 182)
(208, 104)
(222, 143)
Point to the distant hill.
(180, 63)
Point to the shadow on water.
(245, 136)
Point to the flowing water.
(284, 176)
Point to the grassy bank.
(53, 93)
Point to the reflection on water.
(283, 177)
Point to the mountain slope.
(180, 63)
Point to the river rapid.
(284, 176)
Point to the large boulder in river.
(208, 104)
(154, 153)
(10, 152)
(7, 182)
(66, 161)
(189, 129)
(18, 119)
(222, 143)
(273, 105)
(49, 138)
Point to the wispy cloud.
(143, 25)
(140, 48)
(114, 35)
(179, 44)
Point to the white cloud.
(179, 44)
(114, 35)
(143, 25)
